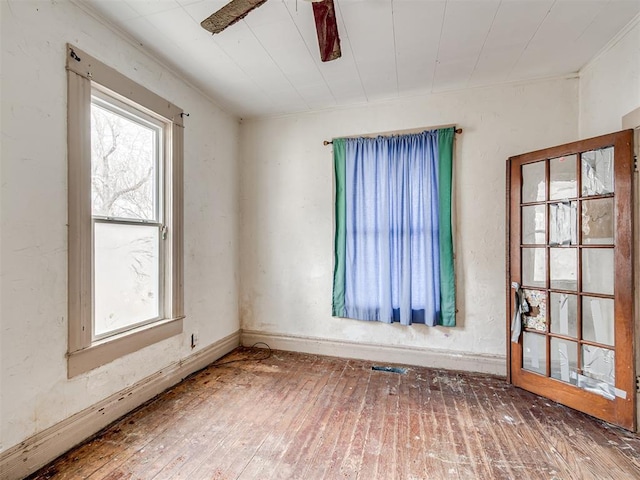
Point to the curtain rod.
(327, 142)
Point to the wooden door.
(570, 211)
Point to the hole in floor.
(389, 369)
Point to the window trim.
(84, 353)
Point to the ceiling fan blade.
(327, 29)
(229, 14)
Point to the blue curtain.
(387, 221)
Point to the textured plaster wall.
(34, 389)
(287, 209)
(610, 86)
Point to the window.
(393, 245)
(125, 215)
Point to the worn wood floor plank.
(129, 434)
(409, 455)
(274, 421)
(335, 440)
(453, 453)
(350, 419)
(490, 431)
(352, 451)
(270, 461)
(331, 398)
(259, 403)
(531, 448)
(434, 437)
(185, 427)
(377, 401)
(280, 420)
(296, 416)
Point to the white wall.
(610, 85)
(287, 209)
(34, 387)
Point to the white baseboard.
(40, 449)
(444, 359)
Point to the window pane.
(599, 373)
(534, 352)
(533, 225)
(563, 183)
(534, 267)
(598, 320)
(597, 172)
(123, 166)
(564, 314)
(536, 317)
(598, 221)
(563, 265)
(597, 270)
(533, 182)
(562, 223)
(126, 276)
(564, 360)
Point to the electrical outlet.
(194, 339)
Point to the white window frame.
(85, 75)
(109, 102)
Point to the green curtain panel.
(340, 232)
(447, 274)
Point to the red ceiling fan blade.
(327, 29)
(232, 12)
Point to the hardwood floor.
(297, 416)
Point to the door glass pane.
(562, 223)
(563, 183)
(598, 221)
(598, 371)
(564, 314)
(534, 352)
(597, 270)
(533, 182)
(563, 264)
(126, 275)
(536, 317)
(124, 155)
(598, 320)
(533, 225)
(597, 172)
(564, 360)
(534, 267)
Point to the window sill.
(104, 351)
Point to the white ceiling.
(269, 62)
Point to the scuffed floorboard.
(297, 416)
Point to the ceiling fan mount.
(323, 12)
